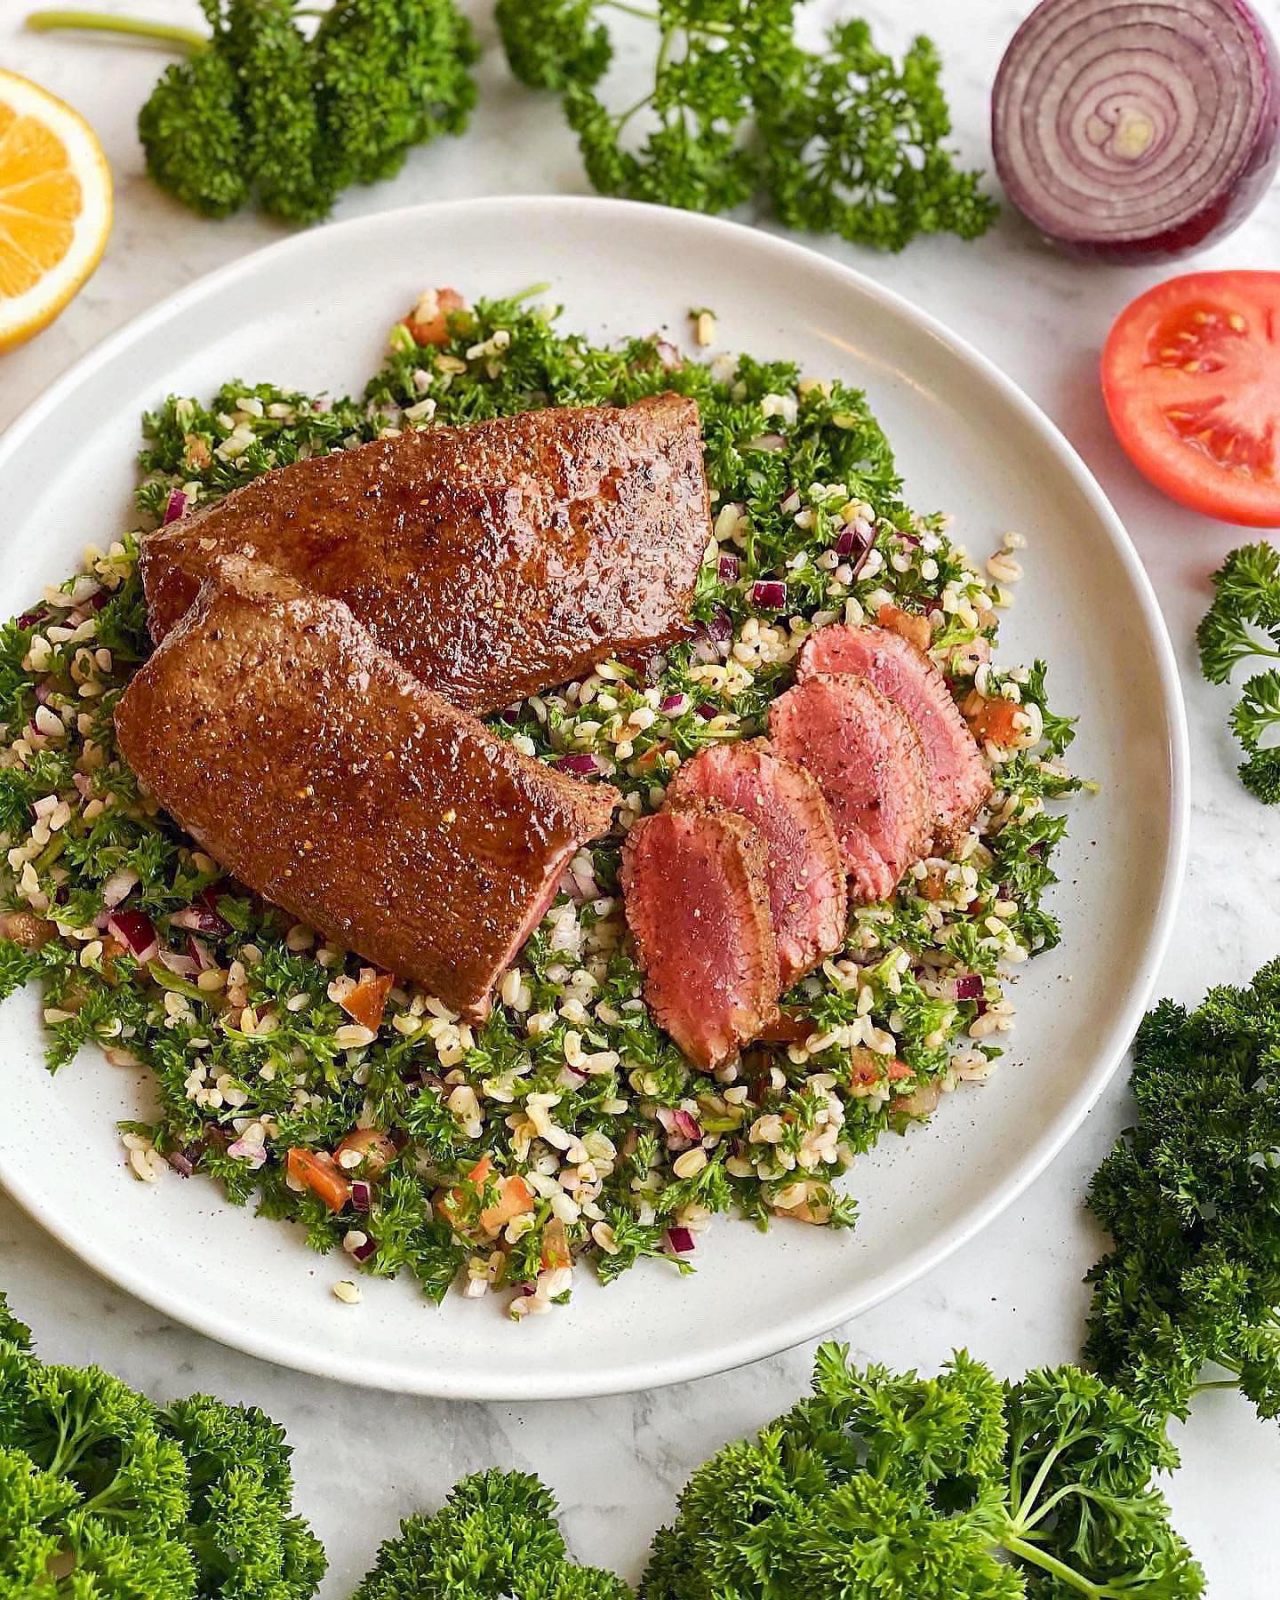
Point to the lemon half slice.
(55, 206)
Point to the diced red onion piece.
(136, 932)
(770, 594)
(361, 1195)
(720, 626)
(118, 885)
(969, 986)
(668, 356)
(854, 544)
(582, 764)
(1137, 132)
(680, 1241)
(706, 711)
(181, 1162)
(199, 918)
(766, 441)
(790, 503)
(175, 506)
(200, 953)
(676, 1120)
(43, 692)
(362, 1252)
(181, 966)
(728, 569)
(673, 702)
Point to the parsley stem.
(1059, 1569)
(188, 39)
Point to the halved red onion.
(136, 932)
(770, 594)
(175, 506)
(728, 569)
(680, 1241)
(1134, 131)
(583, 765)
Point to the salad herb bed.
(568, 1126)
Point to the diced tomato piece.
(515, 1199)
(318, 1171)
(428, 322)
(996, 720)
(555, 1246)
(377, 1150)
(909, 625)
(456, 1204)
(366, 1003)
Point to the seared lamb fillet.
(808, 898)
(493, 560)
(868, 762)
(696, 890)
(958, 778)
(324, 776)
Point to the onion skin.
(1228, 198)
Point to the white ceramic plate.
(313, 312)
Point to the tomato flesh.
(1191, 379)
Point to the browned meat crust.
(696, 889)
(808, 897)
(318, 771)
(493, 560)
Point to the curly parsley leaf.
(1243, 625)
(854, 144)
(1191, 1197)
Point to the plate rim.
(641, 1374)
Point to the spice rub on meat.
(320, 773)
(493, 560)
(696, 889)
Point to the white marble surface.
(1014, 1296)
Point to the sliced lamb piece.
(959, 781)
(492, 560)
(808, 896)
(325, 777)
(865, 755)
(696, 890)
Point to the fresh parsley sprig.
(1243, 625)
(846, 141)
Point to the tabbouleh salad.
(568, 1127)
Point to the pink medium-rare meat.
(868, 762)
(696, 890)
(958, 777)
(493, 560)
(325, 777)
(808, 896)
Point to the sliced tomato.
(1191, 378)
